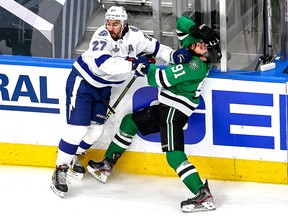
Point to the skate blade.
(74, 174)
(97, 174)
(57, 192)
(205, 206)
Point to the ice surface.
(26, 191)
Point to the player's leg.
(121, 141)
(78, 113)
(66, 151)
(172, 123)
(99, 98)
(145, 121)
(94, 132)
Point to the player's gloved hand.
(207, 34)
(181, 55)
(140, 66)
(150, 58)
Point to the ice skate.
(76, 169)
(100, 169)
(59, 180)
(203, 201)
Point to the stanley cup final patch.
(194, 65)
(116, 49)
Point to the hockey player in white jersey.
(112, 56)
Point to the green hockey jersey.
(180, 85)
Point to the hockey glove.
(181, 56)
(140, 66)
(150, 58)
(207, 34)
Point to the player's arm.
(168, 76)
(184, 26)
(152, 46)
(177, 73)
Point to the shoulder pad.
(103, 33)
(134, 29)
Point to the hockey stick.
(152, 60)
(111, 109)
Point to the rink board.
(239, 131)
(144, 163)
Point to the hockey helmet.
(116, 13)
(214, 54)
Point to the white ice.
(26, 191)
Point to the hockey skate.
(59, 180)
(203, 201)
(100, 169)
(76, 169)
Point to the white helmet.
(116, 13)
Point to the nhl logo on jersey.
(194, 64)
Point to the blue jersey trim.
(101, 60)
(157, 47)
(85, 67)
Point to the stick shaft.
(121, 96)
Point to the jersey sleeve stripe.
(157, 47)
(157, 78)
(99, 61)
(181, 35)
(161, 78)
(84, 71)
(165, 79)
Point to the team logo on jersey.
(194, 65)
(103, 33)
(134, 29)
(116, 49)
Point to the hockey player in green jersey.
(179, 94)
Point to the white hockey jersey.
(104, 62)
